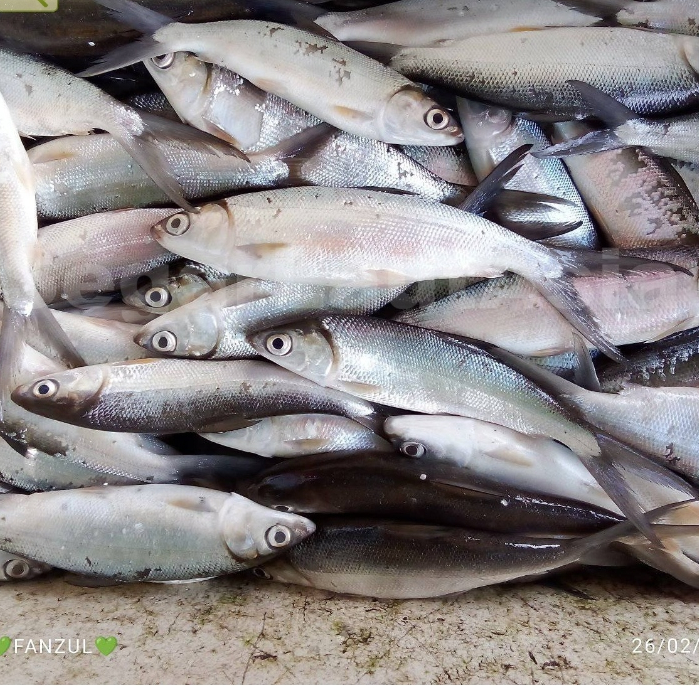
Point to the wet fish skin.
(482, 68)
(289, 436)
(508, 457)
(637, 198)
(392, 486)
(147, 396)
(216, 325)
(449, 163)
(676, 16)
(14, 568)
(492, 134)
(94, 255)
(146, 533)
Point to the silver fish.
(449, 163)
(148, 396)
(216, 325)
(147, 533)
(289, 436)
(325, 78)
(492, 134)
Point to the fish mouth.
(144, 339)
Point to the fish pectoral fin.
(215, 130)
(191, 504)
(228, 424)
(509, 454)
(358, 388)
(260, 250)
(355, 115)
(306, 444)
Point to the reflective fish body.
(450, 163)
(14, 568)
(396, 560)
(288, 436)
(607, 57)
(146, 533)
(643, 305)
(676, 16)
(486, 450)
(426, 22)
(147, 396)
(492, 134)
(216, 326)
(92, 256)
(637, 198)
(392, 486)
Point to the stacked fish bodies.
(330, 312)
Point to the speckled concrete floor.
(577, 629)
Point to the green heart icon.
(105, 645)
(5, 642)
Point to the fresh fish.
(529, 71)
(216, 325)
(147, 533)
(673, 137)
(426, 22)
(287, 436)
(513, 459)
(161, 396)
(396, 560)
(492, 134)
(450, 163)
(338, 237)
(81, 175)
(391, 486)
(46, 100)
(13, 568)
(671, 362)
(637, 198)
(93, 256)
(632, 303)
(325, 78)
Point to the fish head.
(14, 567)
(483, 122)
(413, 118)
(190, 331)
(435, 436)
(62, 394)
(303, 348)
(179, 71)
(254, 531)
(194, 235)
(283, 571)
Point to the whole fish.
(636, 303)
(492, 134)
(670, 137)
(427, 22)
(46, 100)
(91, 256)
(146, 533)
(325, 78)
(288, 436)
(513, 459)
(345, 237)
(149, 396)
(673, 361)
(529, 71)
(395, 560)
(391, 486)
(637, 198)
(216, 325)
(13, 568)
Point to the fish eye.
(278, 536)
(17, 569)
(413, 449)
(177, 224)
(46, 388)
(437, 119)
(164, 341)
(158, 297)
(163, 62)
(279, 345)
(260, 573)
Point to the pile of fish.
(395, 300)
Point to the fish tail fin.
(136, 16)
(483, 196)
(559, 289)
(140, 50)
(594, 142)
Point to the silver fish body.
(148, 396)
(676, 16)
(216, 325)
(289, 436)
(146, 533)
(450, 163)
